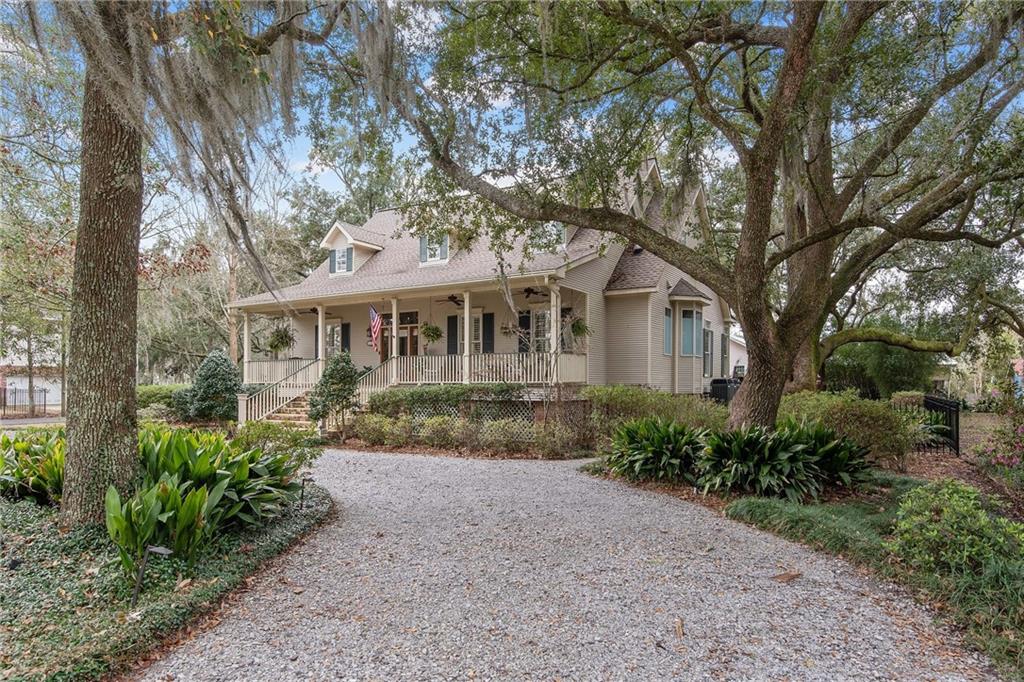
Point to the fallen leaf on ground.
(787, 577)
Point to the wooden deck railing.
(430, 369)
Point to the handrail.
(374, 381)
(271, 398)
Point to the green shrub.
(299, 445)
(334, 396)
(553, 439)
(613, 405)
(467, 434)
(181, 404)
(944, 526)
(907, 399)
(441, 431)
(400, 432)
(758, 461)
(840, 460)
(157, 412)
(426, 401)
(32, 465)
(147, 394)
(655, 449)
(372, 429)
(503, 435)
(871, 424)
(214, 393)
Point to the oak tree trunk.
(101, 427)
(806, 372)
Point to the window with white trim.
(709, 352)
(686, 332)
(476, 332)
(540, 332)
(667, 341)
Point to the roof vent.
(637, 249)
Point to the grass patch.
(64, 606)
(988, 605)
(853, 526)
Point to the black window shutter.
(316, 340)
(453, 335)
(524, 331)
(488, 337)
(346, 336)
(334, 261)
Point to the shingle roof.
(684, 288)
(636, 269)
(397, 265)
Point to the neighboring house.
(14, 382)
(737, 351)
(649, 323)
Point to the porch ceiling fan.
(451, 299)
(530, 291)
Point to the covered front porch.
(444, 335)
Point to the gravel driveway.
(442, 568)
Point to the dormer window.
(341, 260)
(433, 249)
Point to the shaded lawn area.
(64, 604)
(989, 607)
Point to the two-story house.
(591, 311)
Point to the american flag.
(375, 323)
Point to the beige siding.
(661, 364)
(590, 279)
(628, 340)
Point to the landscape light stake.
(302, 492)
(162, 551)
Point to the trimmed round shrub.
(655, 449)
(944, 526)
(214, 393)
(372, 429)
(872, 424)
(440, 432)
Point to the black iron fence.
(14, 402)
(945, 413)
(939, 418)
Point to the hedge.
(398, 401)
(148, 394)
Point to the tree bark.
(30, 366)
(101, 426)
(232, 314)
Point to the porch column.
(394, 340)
(556, 329)
(321, 336)
(245, 347)
(467, 335)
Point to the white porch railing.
(374, 381)
(272, 371)
(430, 369)
(271, 398)
(536, 369)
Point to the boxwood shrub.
(148, 394)
(425, 401)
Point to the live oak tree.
(854, 128)
(201, 78)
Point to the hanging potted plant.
(281, 339)
(430, 333)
